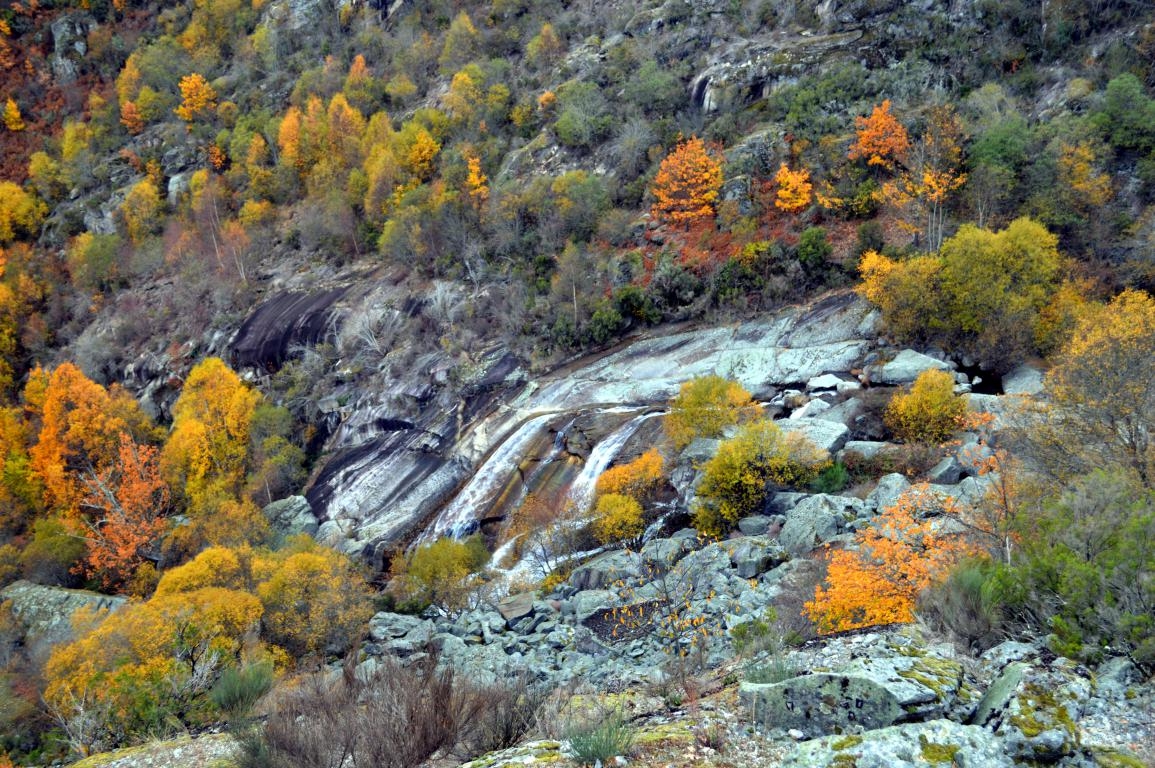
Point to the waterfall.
(461, 513)
(581, 493)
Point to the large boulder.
(889, 488)
(892, 684)
(921, 745)
(827, 435)
(45, 613)
(606, 569)
(816, 520)
(904, 368)
(754, 555)
(1036, 711)
(291, 516)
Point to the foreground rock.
(217, 750)
(934, 743)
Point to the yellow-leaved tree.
(705, 406)
(794, 189)
(206, 456)
(197, 97)
(930, 412)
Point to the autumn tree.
(931, 412)
(688, 183)
(794, 189)
(705, 406)
(147, 666)
(13, 120)
(435, 573)
(20, 212)
(131, 118)
(315, 600)
(880, 139)
(739, 478)
(460, 43)
(197, 97)
(81, 432)
(1102, 398)
(122, 513)
(619, 518)
(476, 183)
(636, 479)
(897, 557)
(982, 295)
(140, 210)
(920, 191)
(206, 456)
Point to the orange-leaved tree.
(197, 97)
(81, 424)
(900, 555)
(122, 513)
(637, 478)
(794, 189)
(688, 184)
(881, 140)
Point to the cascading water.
(461, 514)
(581, 493)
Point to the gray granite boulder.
(914, 745)
(905, 368)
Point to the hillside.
(398, 337)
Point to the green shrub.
(239, 688)
(602, 740)
(737, 480)
(832, 479)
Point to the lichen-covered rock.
(1035, 711)
(214, 750)
(532, 753)
(934, 743)
(900, 680)
(606, 569)
(830, 436)
(905, 367)
(815, 520)
(753, 556)
(291, 516)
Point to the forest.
(553, 180)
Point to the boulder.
(815, 520)
(946, 472)
(753, 556)
(755, 525)
(889, 488)
(291, 516)
(1023, 380)
(865, 694)
(606, 569)
(533, 752)
(516, 607)
(386, 626)
(868, 449)
(662, 554)
(827, 435)
(1035, 712)
(905, 368)
(934, 743)
(45, 613)
(826, 381)
(811, 409)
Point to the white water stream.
(461, 513)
